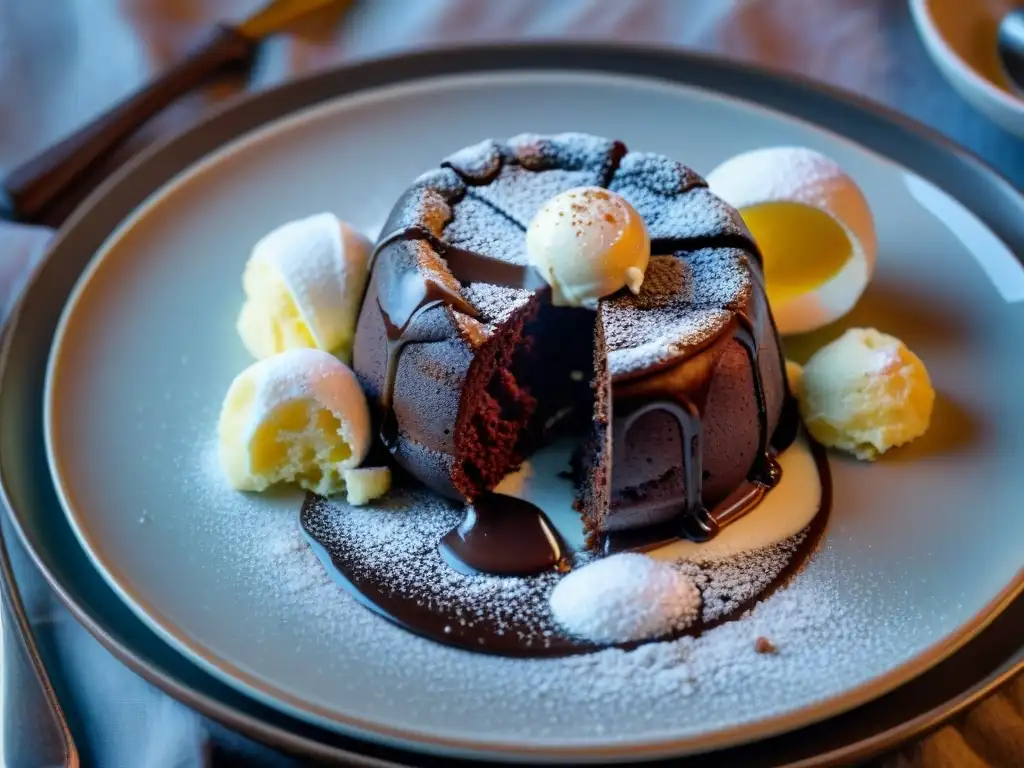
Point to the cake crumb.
(764, 646)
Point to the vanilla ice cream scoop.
(865, 393)
(297, 417)
(303, 284)
(587, 243)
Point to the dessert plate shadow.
(146, 348)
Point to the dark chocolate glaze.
(397, 338)
(677, 245)
(423, 294)
(504, 636)
(687, 408)
(500, 535)
(466, 266)
(760, 470)
(504, 536)
(734, 506)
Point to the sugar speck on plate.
(625, 597)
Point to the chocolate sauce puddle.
(503, 536)
(508, 634)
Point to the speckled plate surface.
(147, 347)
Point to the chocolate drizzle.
(397, 338)
(417, 295)
(504, 536)
(466, 266)
(687, 408)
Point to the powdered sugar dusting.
(639, 339)
(685, 300)
(539, 167)
(569, 151)
(727, 584)
(625, 597)
(398, 538)
(427, 203)
(616, 599)
(255, 534)
(717, 277)
(520, 193)
(495, 303)
(673, 200)
(477, 162)
(480, 228)
(661, 174)
(359, 664)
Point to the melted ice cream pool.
(785, 511)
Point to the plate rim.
(528, 51)
(270, 691)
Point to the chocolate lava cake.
(681, 387)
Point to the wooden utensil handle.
(34, 185)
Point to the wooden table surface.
(64, 61)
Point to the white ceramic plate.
(923, 547)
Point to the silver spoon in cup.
(1010, 42)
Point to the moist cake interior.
(531, 380)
